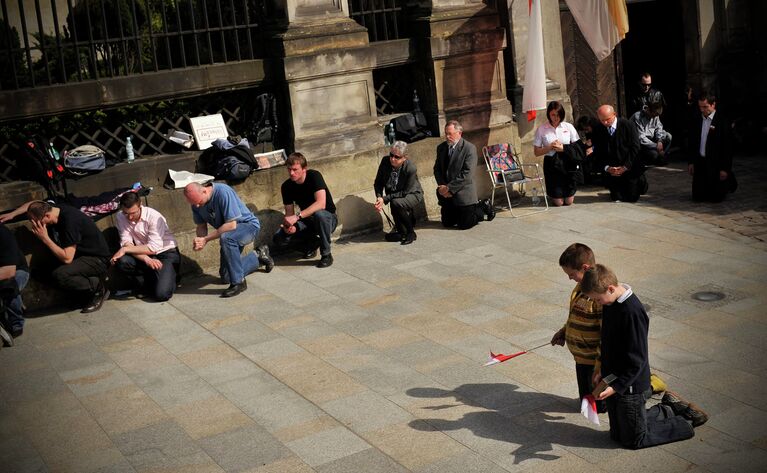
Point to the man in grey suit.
(454, 172)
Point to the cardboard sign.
(271, 159)
(208, 129)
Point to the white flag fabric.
(589, 409)
(534, 93)
(604, 23)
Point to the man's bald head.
(606, 114)
(196, 194)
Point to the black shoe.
(235, 289)
(410, 238)
(325, 261)
(264, 258)
(16, 332)
(7, 338)
(393, 236)
(97, 301)
(309, 254)
(488, 209)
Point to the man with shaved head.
(616, 149)
(234, 224)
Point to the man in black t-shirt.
(310, 214)
(14, 274)
(78, 245)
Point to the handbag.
(84, 160)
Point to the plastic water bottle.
(391, 134)
(536, 199)
(54, 152)
(129, 150)
(416, 102)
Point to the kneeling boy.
(624, 360)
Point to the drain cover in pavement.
(708, 296)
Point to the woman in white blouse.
(559, 169)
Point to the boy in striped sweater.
(582, 330)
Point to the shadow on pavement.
(534, 431)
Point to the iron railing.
(47, 42)
(384, 19)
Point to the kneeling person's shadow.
(512, 416)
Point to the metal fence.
(47, 42)
(384, 19)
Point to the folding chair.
(506, 170)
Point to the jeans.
(312, 231)
(14, 313)
(234, 266)
(634, 427)
(159, 284)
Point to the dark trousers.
(465, 216)
(636, 427)
(706, 185)
(158, 284)
(85, 274)
(311, 232)
(583, 374)
(403, 213)
(626, 188)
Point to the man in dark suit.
(616, 145)
(709, 155)
(454, 172)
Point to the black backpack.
(38, 161)
(233, 164)
(263, 120)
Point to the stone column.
(461, 43)
(328, 72)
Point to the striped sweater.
(582, 330)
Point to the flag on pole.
(534, 93)
(500, 357)
(589, 409)
(604, 23)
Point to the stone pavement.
(375, 364)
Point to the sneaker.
(7, 338)
(235, 289)
(264, 258)
(325, 261)
(686, 409)
(393, 236)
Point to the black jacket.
(621, 149)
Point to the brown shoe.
(682, 407)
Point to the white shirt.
(547, 134)
(704, 128)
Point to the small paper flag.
(500, 357)
(589, 409)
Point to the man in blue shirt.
(234, 224)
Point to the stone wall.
(350, 179)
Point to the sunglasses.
(392, 155)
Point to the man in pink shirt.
(148, 254)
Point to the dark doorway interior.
(655, 44)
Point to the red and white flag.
(604, 23)
(589, 409)
(500, 357)
(534, 93)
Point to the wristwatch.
(299, 215)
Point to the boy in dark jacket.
(624, 377)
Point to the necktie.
(611, 130)
(450, 151)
